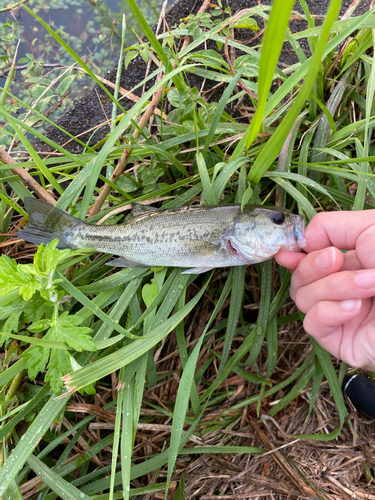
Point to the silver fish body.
(198, 237)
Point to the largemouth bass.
(198, 237)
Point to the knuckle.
(301, 302)
(314, 319)
(317, 221)
(308, 325)
(319, 218)
(301, 277)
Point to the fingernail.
(365, 279)
(327, 258)
(351, 305)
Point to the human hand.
(336, 290)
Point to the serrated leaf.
(66, 330)
(39, 326)
(36, 360)
(35, 309)
(145, 54)
(48, 257)
(12, 277)
(11, 324)
(58, 366)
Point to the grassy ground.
(176, 385)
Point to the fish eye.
(278, 217)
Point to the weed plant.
(73, 327)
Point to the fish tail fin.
(47, 223)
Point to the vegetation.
(44, 75)
(195, 360)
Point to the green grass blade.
(118, 73)
(102, 367)
(51, 344)
(271, 47)
(57, 484)
(237, 295)
(179, 414)
(72, 290)
(34, 155)
(306, 181)
(183, 352)
(360, 194)
(274, 145)
(12, 371)
(116, 280)
(127, 437)
(272, 347)
(98, 162)
(9, 201)
(154, 42)
(29, 441)
(208, 192)
(329, 371)
(104, 331)
(295, 391)
(264, 308)
(318, 377)
(221, 181)
(9, 426)
(219, 109)
(177, 287)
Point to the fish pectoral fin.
(197, 270)
(121, 262)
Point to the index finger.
(340, 229)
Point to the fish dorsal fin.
(139, 209)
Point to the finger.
(315, 266)
(340, 229)
(290, 260)
(351, 263)
(338, 286)
(324, 318)
(337, 327)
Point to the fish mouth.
(299, 235)
(295, 237)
